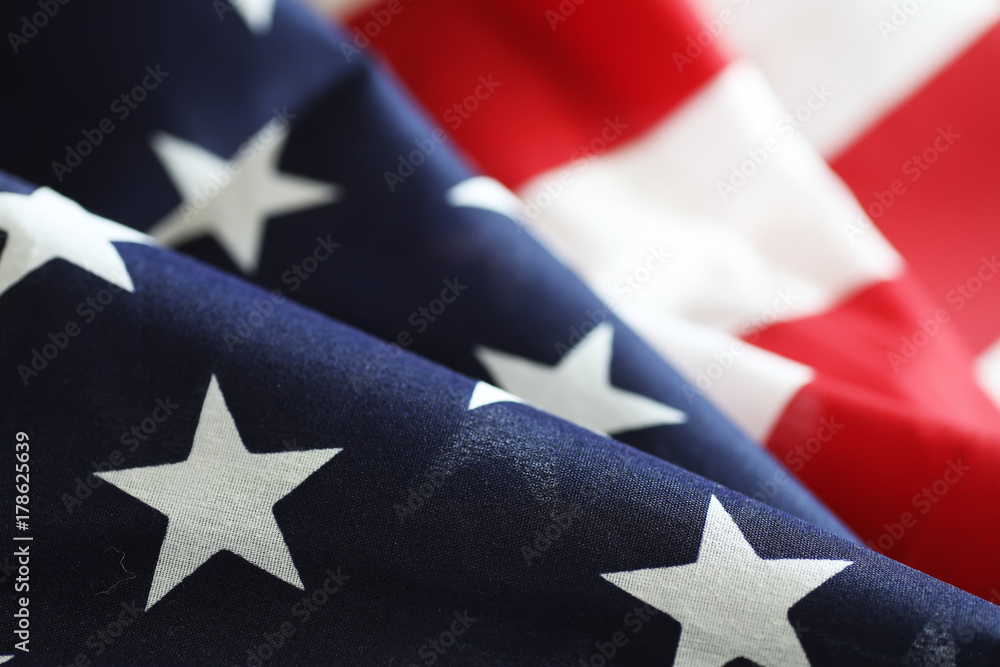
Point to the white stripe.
(775, 249)
(872, 53)
(783, 232)
(750, 385)
(988, 372)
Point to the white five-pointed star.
(45, 225)
(257, 14)
(488, 194)
(233, 200)
(221, 498)
(578, 388)
(731, 603)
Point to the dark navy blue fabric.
(503, 473)
(9, 183)
(220, 84)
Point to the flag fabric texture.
(257, 511)
(823, 175)
(365, 417)
(228, 137)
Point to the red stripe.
(557, 86)
(949, 217)
(930, 372)
(873, 473)
(899, 430)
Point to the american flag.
(825, 175)
(291, 375)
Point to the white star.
(578, 388)
(233, 200)
(221, 498)
(488, 194)
(45, 225)
(731, 603)
(484, 394)
(257, 14)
